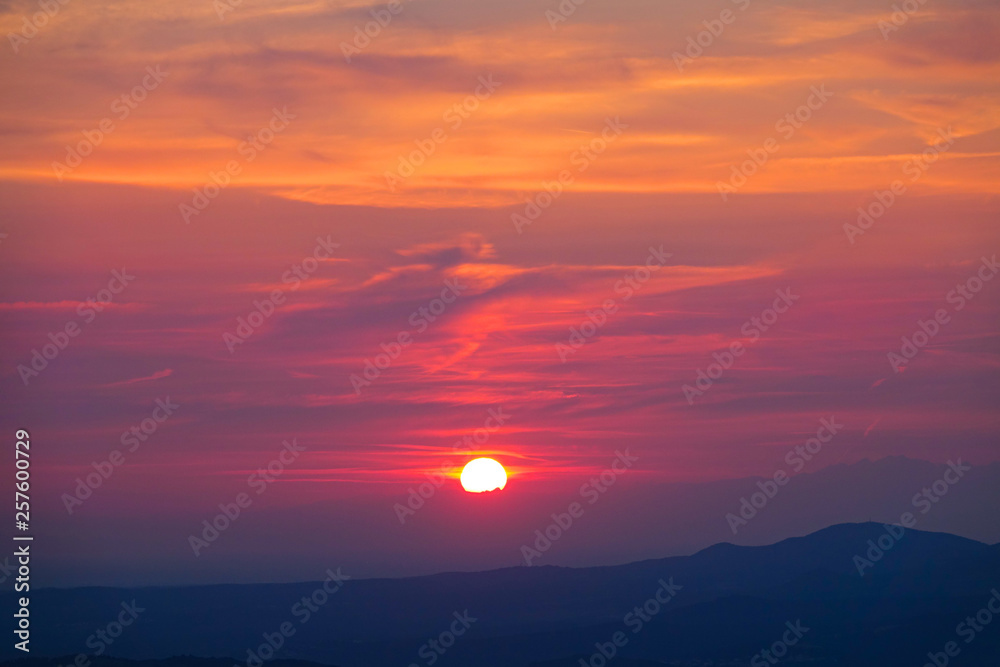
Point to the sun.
(481, 475)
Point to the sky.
(566, 216)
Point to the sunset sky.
(498, 102)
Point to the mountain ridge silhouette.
(924, 583)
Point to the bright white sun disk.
(483, 475)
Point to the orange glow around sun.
(483, 474)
